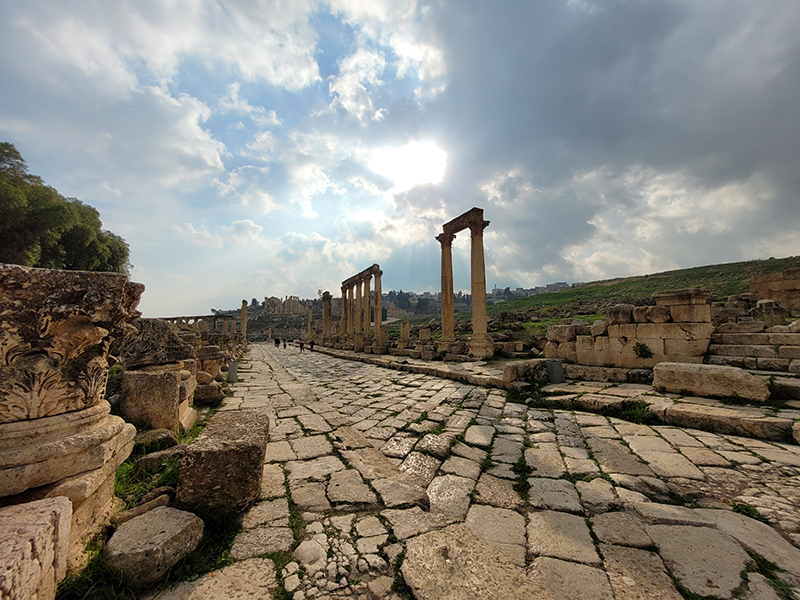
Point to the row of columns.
(480, 344)
(356, 317)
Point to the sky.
(256, 148)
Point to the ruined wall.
(783, 288)
(677, 329)
(57, 437)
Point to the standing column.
(350, 307)
(326, 315)
(343, 320)
(367, 315)
(244, 320)
(448, 301)
(379, 341)
(358, 309)
(310, 331)
(480, 345)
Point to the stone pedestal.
(56, 435)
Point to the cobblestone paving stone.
(372, 458)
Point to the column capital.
(446, 239)
(477, 227)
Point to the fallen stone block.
(220, 474)
(713, 381)
(145, 547)
(33, 554)
(152, 399)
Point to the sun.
(414, 164)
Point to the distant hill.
(722, 280)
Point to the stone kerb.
(712, 381)
(220, 474)
(57, 436)
(33, 555)
(677, 329)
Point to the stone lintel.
(471, 219)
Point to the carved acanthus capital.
(55, 336)
(446, 239)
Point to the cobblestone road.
(378, 463)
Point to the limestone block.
(424, 334)
(684, 296)
(685, 347)
(204, 378)
(773, 364)
(220, 474)
(33, 554)
(210, 393)
(551, 350)
(630, 330)
(561, 333)
(788, 339)
(690, 313)
(145, 547)
(745, 339)
(567, 351)
(656, 344)
(789, 352)
(640, 314)
(620, 314)
(709, 381)
(755, 351)
(658, 314)
(599, 327)
(151, 399)
(794, 366)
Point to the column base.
(443, 344)
(358, 343)
(481, 346)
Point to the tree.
(423, 306)
(403, 300)
(41, 228)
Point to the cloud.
(198, 237)
(243, 233)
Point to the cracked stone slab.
(272, 479)
(502, 528)
(370, 462)
(260, 540)
(620, 529)
(566, 580)
(450, 495)
(455, 564)
(545, 460)
(555, 494)
(400, 490)
(462, 467)
(421, 467)
(497, 492)
(637, 574)
(350, 438)
(279, 452)
(479, 435)
(561, 535)
(347, 486)
(312, 446)
(316, 469)
(409, 522)
(708, 562)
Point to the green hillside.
(722, 280)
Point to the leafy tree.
(423, 306)
(41, 228)
(403, 300)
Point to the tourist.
(311, 345)
(301, 345)
(277, 342)
(284, 344)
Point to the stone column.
(57, 437)
(380, 341)
(367, 315)
(448, 315)
(326, 315)
(358, 310)
(405, 335)
(244, 320)
(343, 318)
(350, 311)
(310, 330)
(480, 344)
